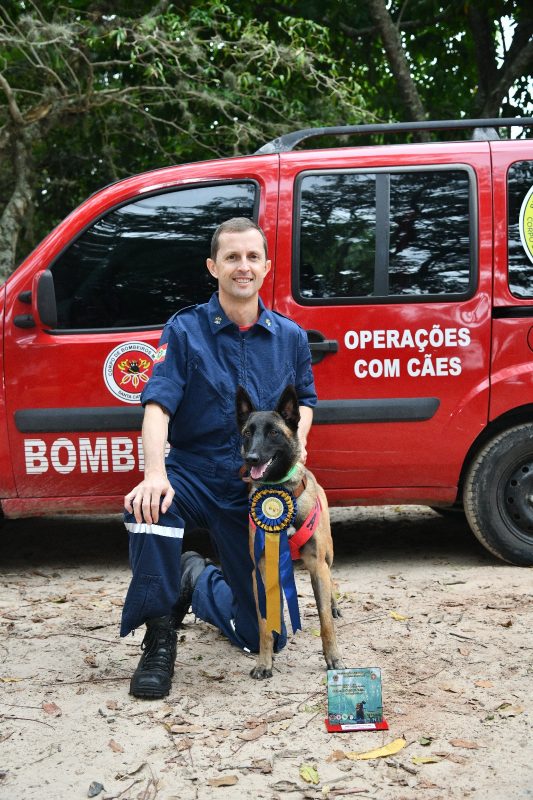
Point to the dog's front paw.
(334, 662)
(336, 612)
(259, 672)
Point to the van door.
(384, 257)
(122, 264)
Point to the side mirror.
(44, 307)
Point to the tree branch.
(398, 61)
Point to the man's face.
(240, 266)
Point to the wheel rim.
(516, 499)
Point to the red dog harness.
(298, 539)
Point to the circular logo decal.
(127, 369)
(526, 224)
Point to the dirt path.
(457, 675)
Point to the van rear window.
(384, 234)
(520, 228)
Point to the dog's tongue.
(257, 472)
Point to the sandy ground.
(457, 675)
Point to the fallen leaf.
(464, 651)
(464, 743)
(380, 752)
(112, 705)
(218, 676)
(10, 680)
(278, 716)
(253, 733)
(225, 780)
(484, 684)
(185, 728)
(337, 755)
(56, 599)
(425, 759)
(285, 786)
(90, 659)
(52, 709)
(184, 744)
(449, 687)
(115, 746)
(425, 741)
(309, 774)
(94, 789)
(507, 624)
(315, 632)
(397, 617)
(507, 710)
(262, 765)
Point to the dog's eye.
(246, 434)
(274, 434)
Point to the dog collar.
(245, 476)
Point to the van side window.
(520, 264)
(145, 260)
(392, 235)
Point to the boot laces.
(158, 647)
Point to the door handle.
(320, 346)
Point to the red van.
(410, 266)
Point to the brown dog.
(270, 449)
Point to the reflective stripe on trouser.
(223, 597)
(154, 587)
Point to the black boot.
(192, 566)
(153, 676)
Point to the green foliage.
(104, 95)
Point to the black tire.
(498, 495)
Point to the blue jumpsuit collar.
(219, 321)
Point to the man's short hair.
(235, 225)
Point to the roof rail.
(287, 142)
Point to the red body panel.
(396, 454)
(358, 463)
(66, 371)
(512, 355)
(7, 482)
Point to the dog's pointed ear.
(243, 405)
(288, 407)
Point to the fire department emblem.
(127, 369)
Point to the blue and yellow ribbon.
(272, 510)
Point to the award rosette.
(272, 511)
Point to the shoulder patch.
(160, 354)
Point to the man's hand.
(143, 501)
(306, 420)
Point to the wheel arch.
(517, 416)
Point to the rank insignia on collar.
(267, 322)
(217, 320)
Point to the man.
(205, 352)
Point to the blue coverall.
(195, 380)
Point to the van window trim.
(135, 198)
(391, 299)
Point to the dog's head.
(270, 444)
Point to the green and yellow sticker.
(526, 224)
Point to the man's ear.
(288, 407)
(244, 406)
(212, 267)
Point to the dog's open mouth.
(256, 473)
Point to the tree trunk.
(397, 59)
(19, 204)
